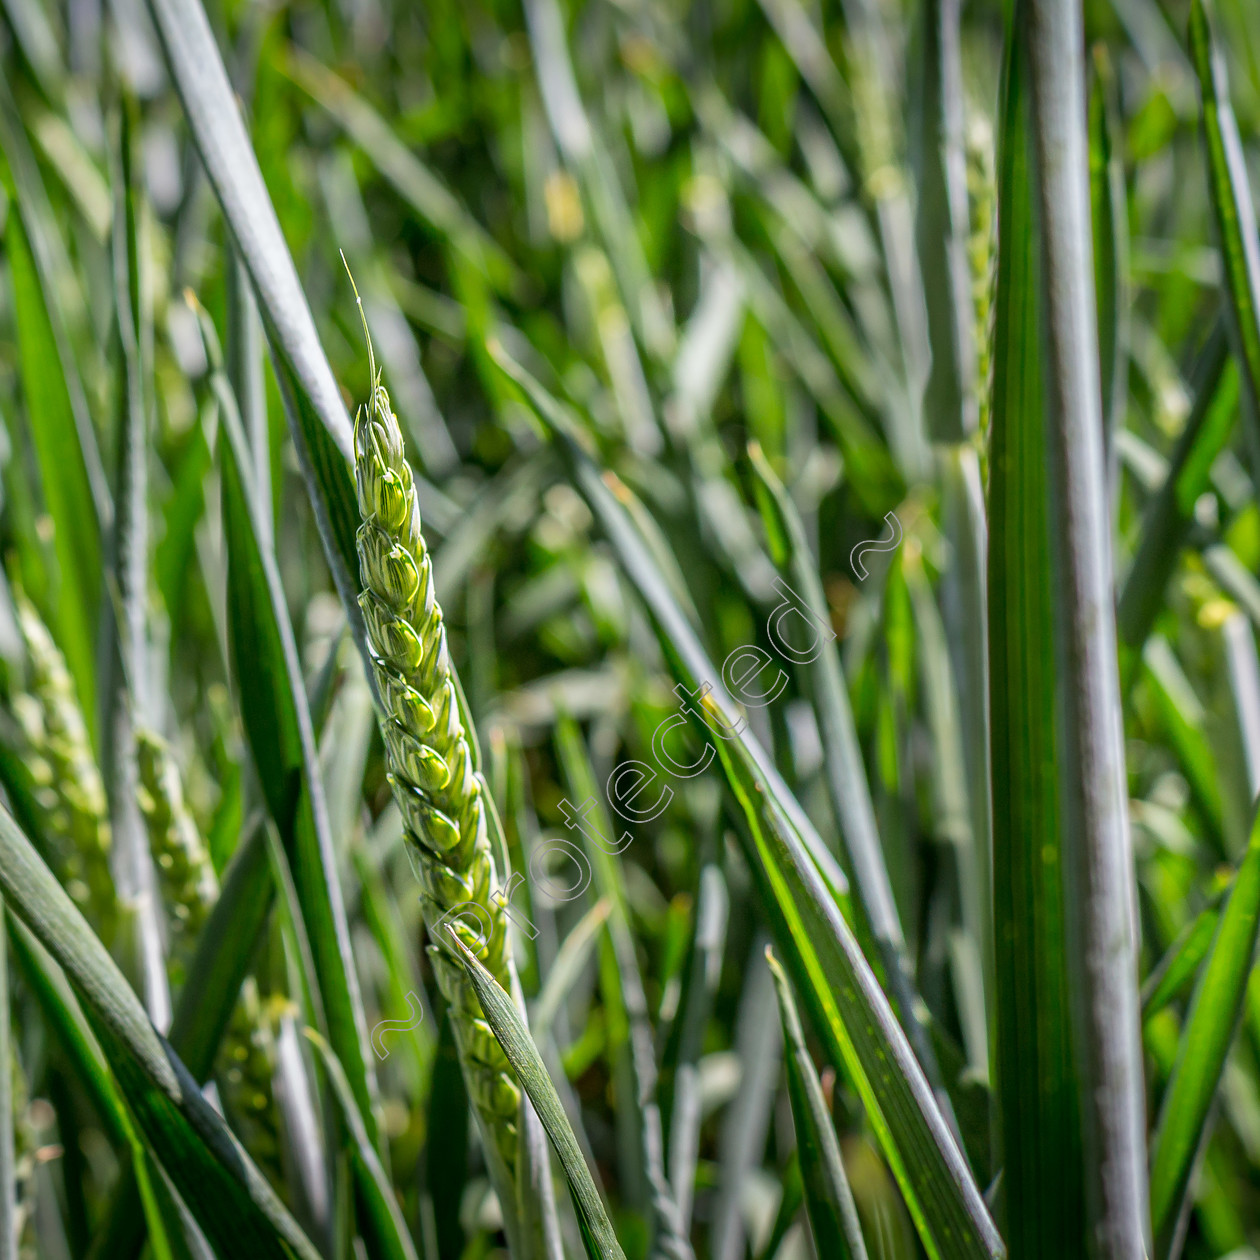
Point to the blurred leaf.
(384, 1220)
(569, 962)
(277, 722)
(1169, 515)
(411, 178)
(1109, 214)
(234, 1205)
(8, 1171)
(1175, 972)
(949, 402)
(828, 1198)
(621, 981)
(56, 427)
(802, 890)
(1235, 216)
(317, 416)
(1184, 724)
(1211, 1023)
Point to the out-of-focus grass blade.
(1097, 857)
(149, 1202)
(1179, 966)
(1169, 516)
(384, 1221)
(860, 1030)
(317, 416)
(1209, 1031)
(1236, 710)
(844, 773)
(229, 1197)
(567, 965)
(46, 373)
(147, 1206)
(803, 890)
(873, 475)
(952, 815)
(65, 304)
(583, 150)
(1108, 204)
(383, 917)
(1035, 1077)
(126, 683)
(400, 352)
(223, 954)
(222, 958)
(624, 996)
(828, 1199)
(410, 178)
(175, 556)
(447, 1175)
(742, 1138)
(243, 355)
(857, 105)
(597, 1232)
(8, 1173)
(1233, 211)
(950, 410)
(278, 725)
(686, 1038)
(1184, 722)
(35, 37)
(789, 1204)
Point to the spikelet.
(427, 751)
(245, 1067)
(185, 872)
(68, 784)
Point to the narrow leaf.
(1209, 1031)
(317, 416)
(1097, 871)
(828, 1199)
(278, 725)
(803, 891)
(383, 1219)
(44, 363)
(1234, 212)
(597, 1232)
(232, 1201)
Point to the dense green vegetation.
(714, 712)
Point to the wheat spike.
(185, 872)
(427, 749)
(68, 782)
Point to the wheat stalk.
(430, 762)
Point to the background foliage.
(949, 952)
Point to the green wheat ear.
(185, 872)
(68, 784)
(429, 759)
